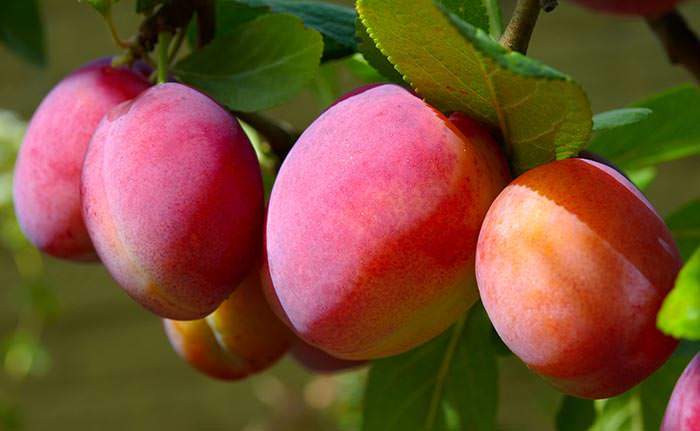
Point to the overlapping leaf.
(575, 414)
(456, 372)
(680, 313)
(541, 113)
(21, 29)
(335, 22)
(671, 132)
(263, 63)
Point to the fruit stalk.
(680, 42)
(516, 36)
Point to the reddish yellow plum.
(47, 173)
(573, 264)
(242, 337)
(373, 220)
(173, 201)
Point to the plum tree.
(242, 337)
(173, 200)
(572, 266)
(373, 221)
(683, 411)
(631, 7)
(47, 173)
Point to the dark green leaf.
(685, 226)
(672, 132)
(263, 63)
(336, 23)
(619, 117)
(472, 388)
(575, 414)
(471, 11)
(655, 391)
(680, 312)
(229, 15)
(21, 29)
(410, 391)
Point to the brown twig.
(517, 34)
(681, 43)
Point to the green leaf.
(619, 117)
(542, 114)
(374, 56)
(672, 132)
(472, 11)
(655, 391)
(622, 413)
(335, 22)
(685, 226)
(264, 63)
(455, 372)
(642, 178)
(575, 414)
(21, 30)
(680, 312)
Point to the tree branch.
(516, 36)
(681, 43)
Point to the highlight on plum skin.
(46, 187)
(173, 200)
(372, 224)
(572, 265)
(242, 337)
(683, 410)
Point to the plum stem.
(164, 39)
(517, 34)
(680, 42)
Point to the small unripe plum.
(683, 411)
(47, 173)
(573, 264)
(318, 361)
(246, 327)
(631, 7)
(373, 220)
(242, 337)
(173, 200)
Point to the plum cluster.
(387, 221)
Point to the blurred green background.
(107, 363)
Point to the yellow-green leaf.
(542, 114)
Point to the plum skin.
(373, 220)
(46, 185)
(173, 199)
(242, 337)
(683, 410)
(631, 7)
(572, 265)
